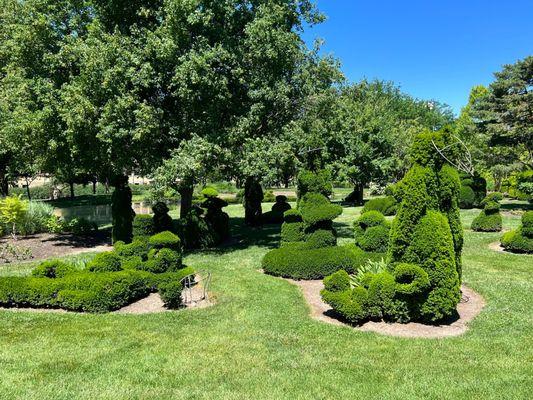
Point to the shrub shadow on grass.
(99, 238)
(516, 206)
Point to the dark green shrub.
(195, 231)
(139, 247)
(170, 293)
(298, 262)
(161, 220)
(369, 219)
(143, 225)
(269, 197)
(209, 192)
(293, 216)
(337, 282)
(276, 215)
(467, 197)
(410, 279)
(487, 222)
(164, 260)
(165, 240)
(495, 196)
(316, 208)
(520, 240)
(217, 220)
(349, 303)
(133, 263)
(314, 182)
(105, 262)
(374, 239)
(53, 269)
(253, 197)
(320, 238)
(292, 232)
(385, 205)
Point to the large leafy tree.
(505, 113)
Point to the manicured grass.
(258, 342)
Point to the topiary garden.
(372, 232)
(308, 240)
(473, 190)
(423, 275)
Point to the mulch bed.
(470, 306)
(49, 245)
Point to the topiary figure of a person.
(122, 213)
(427, 231)
(253, 196)
(161, 220)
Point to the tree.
(505, 113)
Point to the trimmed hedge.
(108, 261)
(299, 262)
(385, 205)
(487, 222)
(316, 208)
(165, 240)
(372, 232)
(53, 269)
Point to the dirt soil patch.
(470, 306)
(497, 246)
(50, 245)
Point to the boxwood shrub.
(385, 205)
(520, 240)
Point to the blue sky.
(432, 49)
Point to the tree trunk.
(186, 192)
(356, 197)
(28, 190)
(94, 187)
(71, 185)
(4, 182)
(253, 196)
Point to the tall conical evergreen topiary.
(424, 259)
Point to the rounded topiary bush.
(520, 240)
(314, 182)
(108, 261)
(374, 239)
(320, 238)
(164, 260)
(292, 229)
(139, 247)
(53, 269)
(487, 222)
(372, 232)
(165, 240)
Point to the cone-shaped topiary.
(520, 240)
(424, 258)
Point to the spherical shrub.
(485, 222)
(370, 219)
(316, 208)
(337, 282)
(165, 240)
(517, 242)
(350, 303)
(143, 225)
(320, 238)
(53, 269)
(105, 262)
(374, 239)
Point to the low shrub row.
(108, 282)
(298, 261)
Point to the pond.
(101, 214)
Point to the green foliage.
(165, 240)
(473, 190)
(520, 240)
(108, 261)
(292, 232)
(385, 205)
(314, 182)
(293, 215)
(269, 197)
(276, 215)
(337, 282)
(35, 220)
(253, 197)
(138, 248)
(467, 197)
(13, 211)
(164, 260)
(487, 222)
(320, 238)
(170, 293)
(317, 209)
(209, 192)
(143, 225)
(299, 262)
(53, 269)
(194, 230)
(372, 232)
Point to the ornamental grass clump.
(423, 274)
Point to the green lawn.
(259, 343)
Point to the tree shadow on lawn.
(100, 238)
(522, 206)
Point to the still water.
(101, 214)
